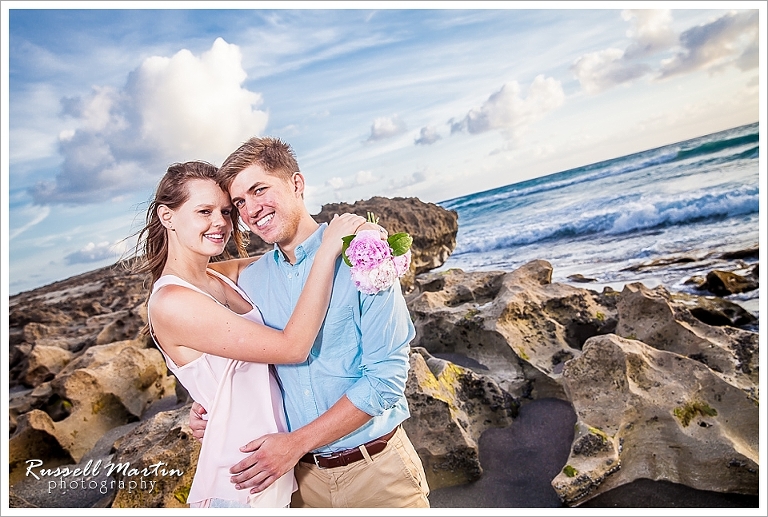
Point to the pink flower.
(402, 263)
(373, 266)
(374, 280)
(367, 250)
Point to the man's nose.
(252, 207)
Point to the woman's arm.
(188, 323)
(231, 268)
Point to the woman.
(211, 335)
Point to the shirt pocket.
(337, 350)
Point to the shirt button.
(290, 275)
(306, 392)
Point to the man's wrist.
(302, 442)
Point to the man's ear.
(165, 215)
(298, 183)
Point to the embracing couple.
(298, 378)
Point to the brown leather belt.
(342, 458)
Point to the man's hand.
(272, 456)
(196, 422)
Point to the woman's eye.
(226, 212)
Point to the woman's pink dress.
(244, 402)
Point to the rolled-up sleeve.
(386, 332)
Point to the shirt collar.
(307, 248)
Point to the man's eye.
(260, 190)
(239, 203)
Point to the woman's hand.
(375, 227)
(341, 226)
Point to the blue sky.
(434, 103)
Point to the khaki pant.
(393, 478)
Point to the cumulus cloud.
(428, 136)
(507, 110)
(731, 39)
(359, 179)
(185, 107)
(386, 127)
(599, 71)
(651, 31)
(335, 183)
(94, 253)
(409, 180)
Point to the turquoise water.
(696, 198)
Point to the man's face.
(269, 205)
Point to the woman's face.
(204, 222)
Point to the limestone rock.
(724, 283)
(648, 316)
(73, 315)
(450, 408)
(35, 438)
(713, 311)
(519, 325)
(109, 395)
(44, 363)
(108, 386)
(121, 325)
(648, 413)
(164, 440)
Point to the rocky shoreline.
(664, 386)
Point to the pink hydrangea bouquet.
(375, 264)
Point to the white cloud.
(32, 215)
(428, 136)
(95, 253)
(651, 31)
(360, 179)
(731, 39)
(365, 178)
(335, 183)
(409, 180)
(386, 127)
(599, 71)
(509, 111)
(171, 109)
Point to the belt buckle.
(317, 463)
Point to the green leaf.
(400, 243)
(346, 240)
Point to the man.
(345, 404)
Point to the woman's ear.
(165, 215)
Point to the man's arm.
(386, 331)
(275, 454)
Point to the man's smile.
(264, 220)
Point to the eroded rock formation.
(665, 385)
(652, 368)
(648, 413)
(450, 408)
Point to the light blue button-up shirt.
(361, 350)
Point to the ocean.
(606, 221)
